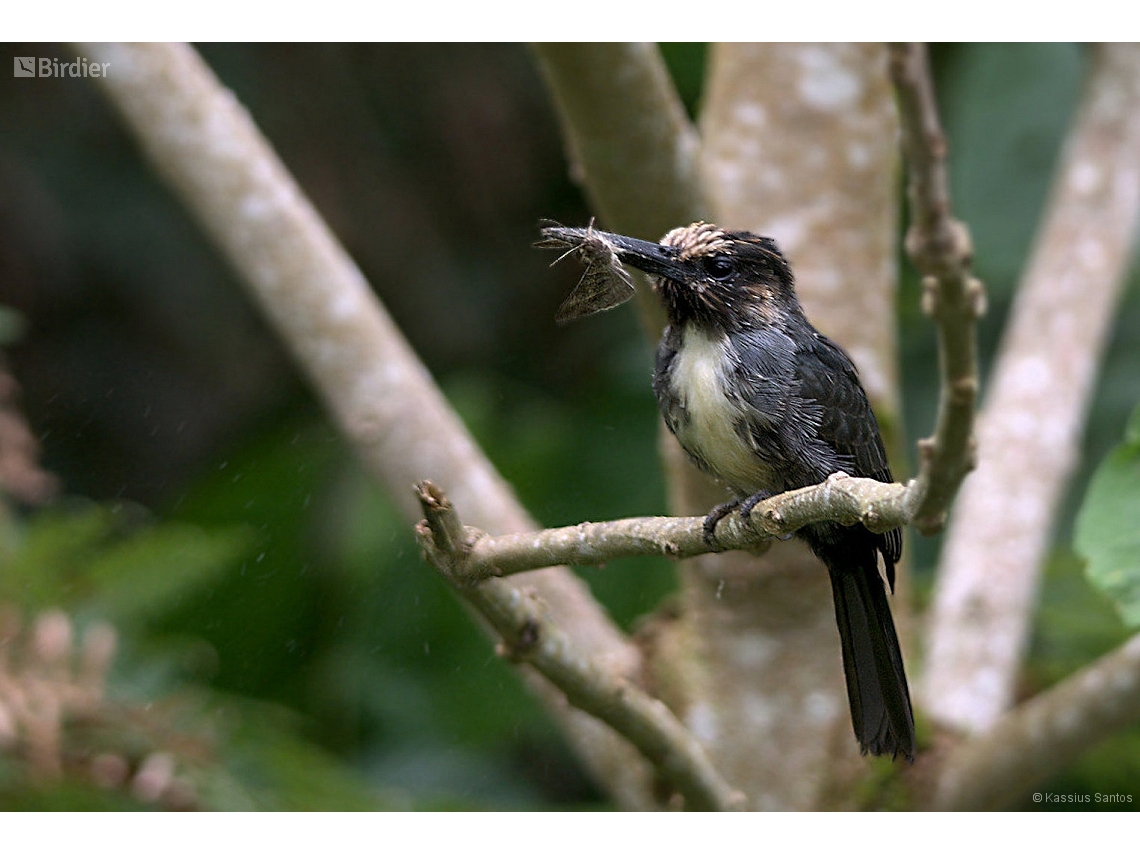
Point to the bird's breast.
(711, 420)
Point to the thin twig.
(1044, 735)
(530, 636)
(940, 248)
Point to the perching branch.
(877, 505)
(1044, 735)
(940, 248)
(1036, 404)
(470, 560)
(530, 636)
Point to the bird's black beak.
(649, 257)
(646, 256)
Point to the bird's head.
(714, 277)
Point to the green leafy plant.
(1108, 525)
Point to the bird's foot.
(716, 515)
(751, 502)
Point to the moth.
(604, 283)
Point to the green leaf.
(47, 568)
(114, 562)
(147, 574)
(1108, 526)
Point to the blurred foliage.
(104, 558)
(272, 608)
(73, 743)
(1074, 625)
(1106, 529)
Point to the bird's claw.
(715, 516)
(752, 501)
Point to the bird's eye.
(719, 267)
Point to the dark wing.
(847, 424)
(827, 376)
(779, 425)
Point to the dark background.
(257, 580)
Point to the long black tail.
(872, 662)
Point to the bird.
(765, 403)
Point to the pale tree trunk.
(799, 143)
(1033, 417)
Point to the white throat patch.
(709, 429)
